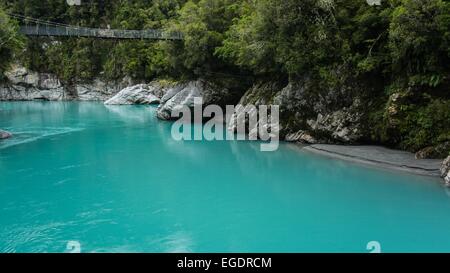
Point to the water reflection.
(127, 112)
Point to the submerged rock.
(137, 94)
(5, 134)
(445, 171)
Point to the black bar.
(226, 262)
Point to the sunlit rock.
(183, 94)
(137, 94)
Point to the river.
(112, 179)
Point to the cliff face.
(309, 116)
(355, 112)
(25, 85)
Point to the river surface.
(92, 178)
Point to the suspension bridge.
(37, 27)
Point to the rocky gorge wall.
(309, 113)
(306, 116)
(25, 85)
(351, 112)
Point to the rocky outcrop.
(342, 125)
(248, 109)
(445, 171)
(394, 113)
(182, 94)
(138, 94)
(307, 115)
(5, 134)
(27, 85)
(301, 137)
(99, 90)
(434, 152)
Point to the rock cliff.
(307, 115)
(25, 85)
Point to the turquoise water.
(112, 179)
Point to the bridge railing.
(72, 31)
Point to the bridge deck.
(72, 31)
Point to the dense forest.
(399, 47)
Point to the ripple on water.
(40, 236)
(23, 136)
(178, 242)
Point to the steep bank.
(355, 112)
(25, 85)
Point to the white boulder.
(137, 94)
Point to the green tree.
(289, 36)
(10, 41)
(419, 38)
(203, 24)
